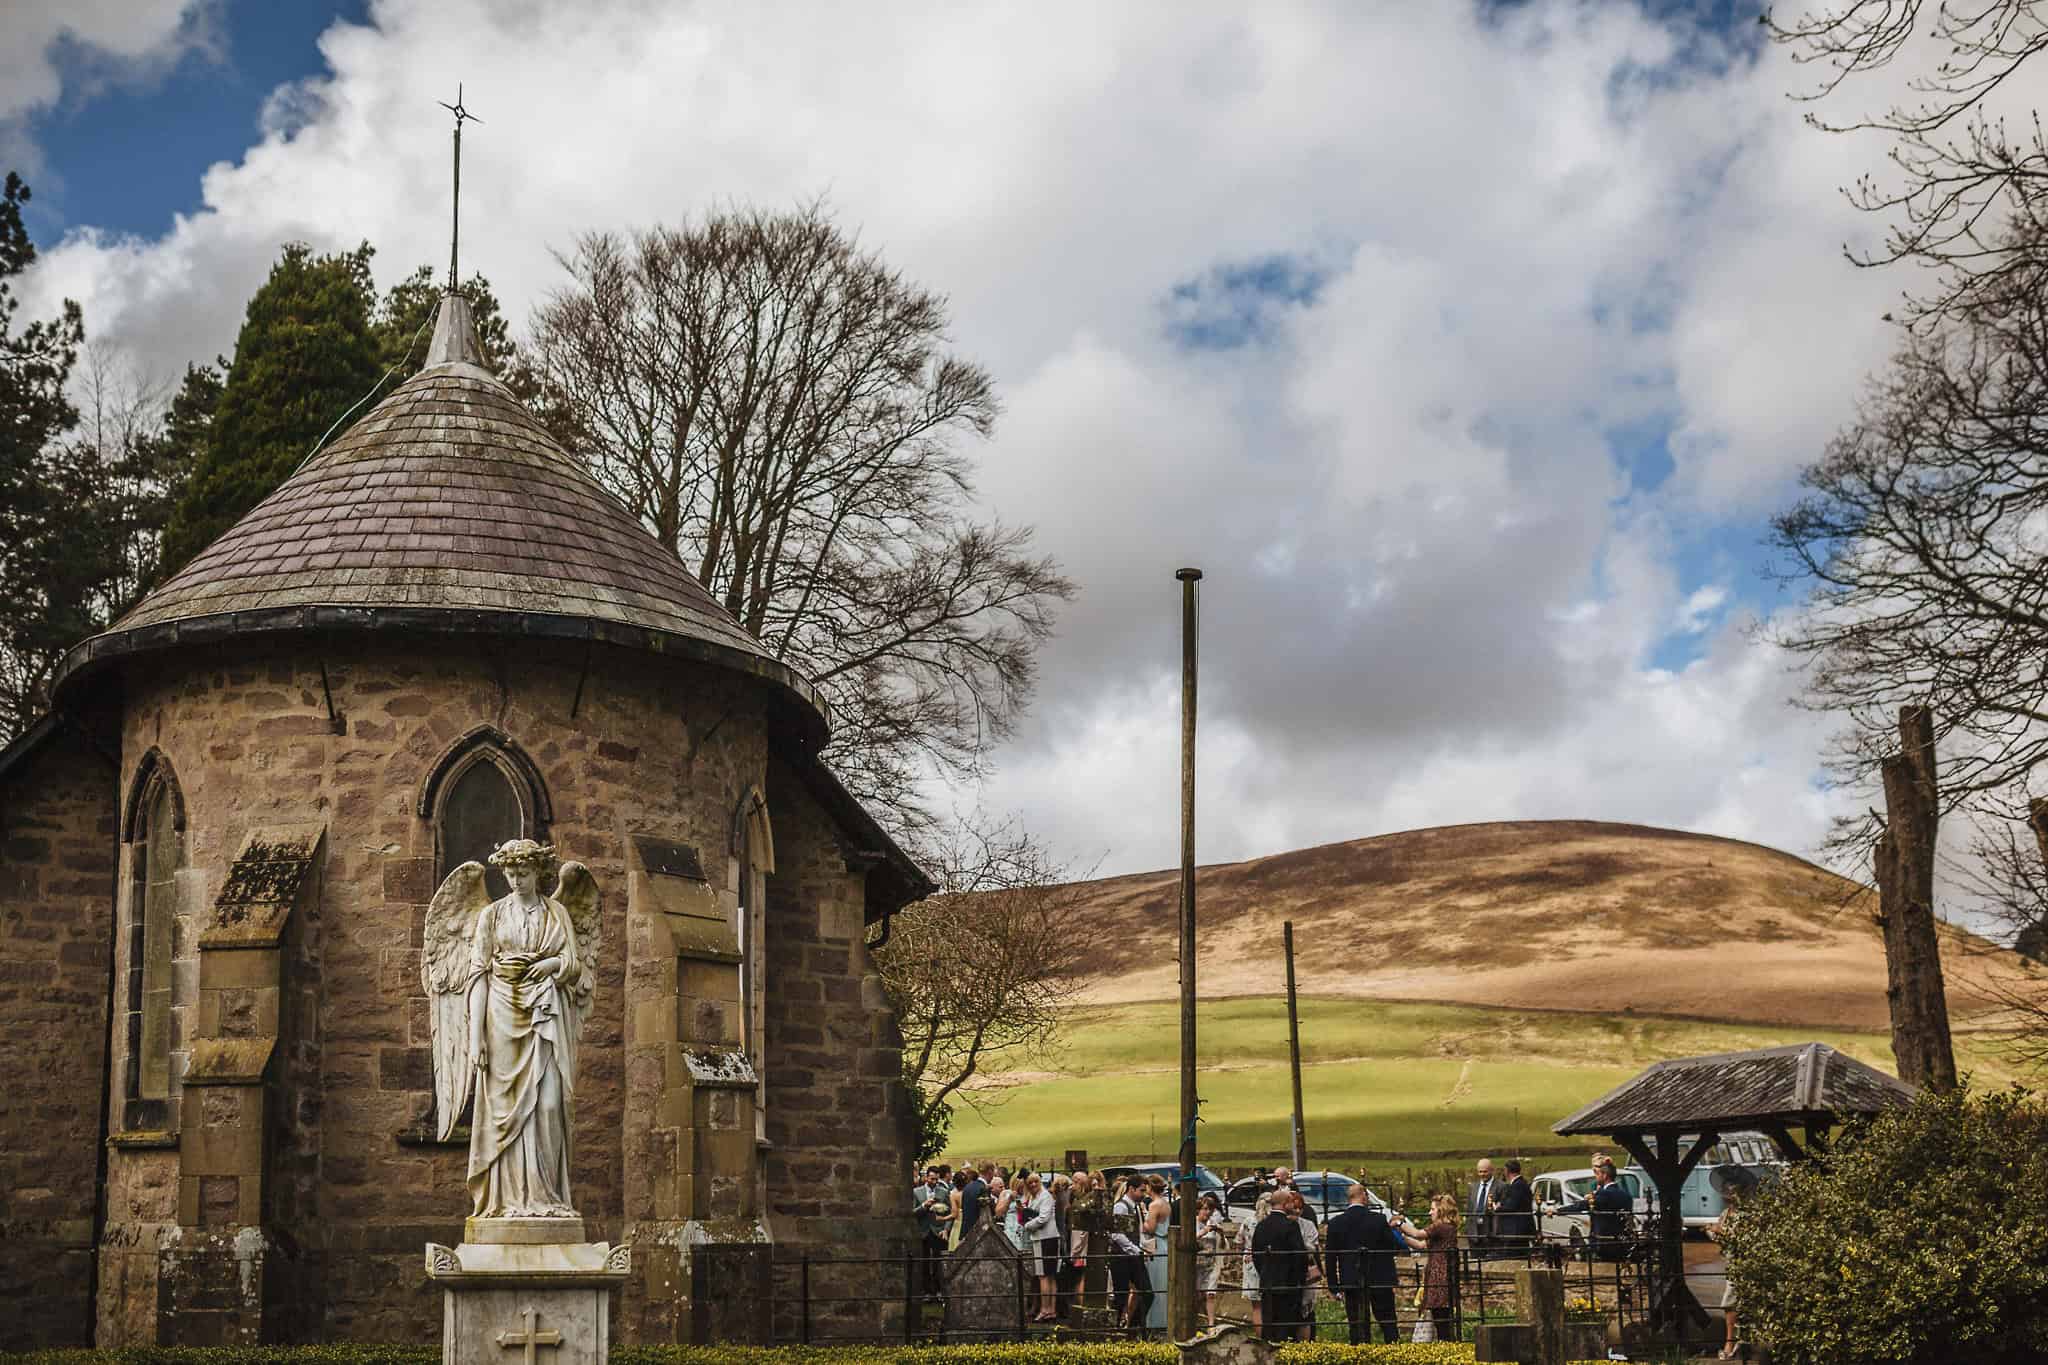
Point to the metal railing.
(779, 1295)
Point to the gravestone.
(1542, 1337)
(1231, 1343)
(984, 1286)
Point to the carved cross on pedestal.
(529, 1339)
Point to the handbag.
(1425, 1330)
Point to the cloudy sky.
(1466, 347)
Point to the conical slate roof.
(446, 508)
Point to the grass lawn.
(1376, 1077)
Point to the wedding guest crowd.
(1284, 1258)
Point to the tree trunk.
(1905, 898)
(2032, 940)
(2037, 821)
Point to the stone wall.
(355, 1184)
(840, 1127)
(57, 870)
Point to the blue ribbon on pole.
(1187, 1138)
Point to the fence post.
(803, 1295)
(1478, 1269)
(912, 1304)
(1017, 1264)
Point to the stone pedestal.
(517, 1302)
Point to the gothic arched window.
(155, 837)
(482, 792)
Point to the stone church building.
(217, 850)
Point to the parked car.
(1740, 1158)
(1326, 1193)
(1206, 1180)
(1555, 1188)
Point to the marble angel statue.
(509, 981)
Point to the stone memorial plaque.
(666, 858)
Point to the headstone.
(1539, 1301)
(1541, 1337)
(984, 1283)
(1232, 1343)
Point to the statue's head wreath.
(523, 853)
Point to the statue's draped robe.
(519, 1121)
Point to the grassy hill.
(1464, 988)
(1379, 1079)
(1554, 914)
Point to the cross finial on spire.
(462, 116)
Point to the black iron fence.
(783, 1296)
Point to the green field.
(1378, 1079)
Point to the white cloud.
(1433, 595)
(1696, 613)
(103, 40)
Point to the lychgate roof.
(1733, 1090)
(447, 507)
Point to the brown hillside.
(1563, 914)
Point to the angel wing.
(577, 890)
(444, 972)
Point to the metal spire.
(462, 116)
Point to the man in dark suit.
(1359, 1247)
(1514, 1212)
(1610, 1210)
(1281, 1258)
(1479, 1208)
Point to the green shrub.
(1922, 1239)
(1003, 1353)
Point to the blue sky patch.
(128, 156)
(1235, 304)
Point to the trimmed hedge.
(1002, 1353)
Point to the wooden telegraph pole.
(1294, 1047)
(1180, 1268)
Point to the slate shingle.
(448, 493)
(1734, 1090)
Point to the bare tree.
(984, 972)
(2007, 871)
(1923, 539)
(1961, 179)
(776, 405)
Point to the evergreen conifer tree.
(405, 323)
(317, 343)
(51, 551)
(304, 362)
